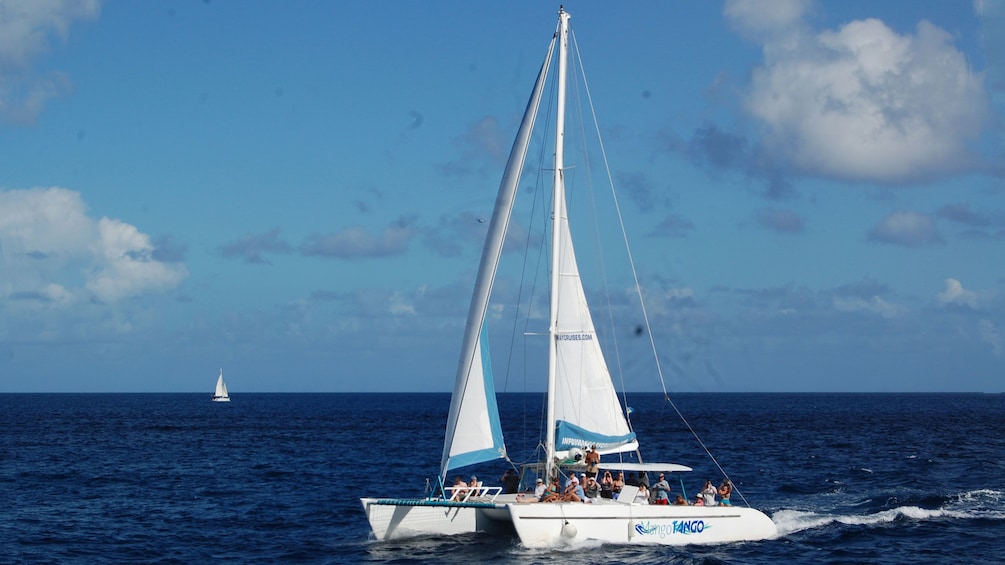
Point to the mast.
(558, 216)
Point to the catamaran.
(582, 405)
(221, 394)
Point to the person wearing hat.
(541, 492)
(661, 491)
(540, 489)
(573, 491)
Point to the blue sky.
(290, 190)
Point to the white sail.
(587, 411)
(221, 394)
(473, 433)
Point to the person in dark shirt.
(510, 482)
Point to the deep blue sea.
(175, 478)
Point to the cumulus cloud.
(861, 102)
(126, 266)
(26, 29)
(909, 229)
(956, 295)
(52, 252)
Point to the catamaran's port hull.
(390, 519)
(550, 525)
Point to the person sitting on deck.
(540, 491)
(573, 491)
(643, 495)
(681, 501)
(592, 490)
(554, 492)
(460, 488)
(632, 481)
(619, 483)
(699, 500)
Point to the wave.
(983, 504)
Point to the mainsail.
(473, 433)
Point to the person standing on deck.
(592, 462)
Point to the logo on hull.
(677, 527)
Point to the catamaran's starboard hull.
(551, 525)
(221, 399)
(401, 519)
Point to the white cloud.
(863, 102)
(125, 266)
(26, 28)
(955, 294)
(52, 252)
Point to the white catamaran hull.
(551, 525)
(392, 520)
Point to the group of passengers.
(585, 488)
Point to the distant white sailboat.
(221, 394)
(583, 408)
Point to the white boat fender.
(569, 531)
(631, 529)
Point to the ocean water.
(266, 478)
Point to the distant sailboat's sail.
(221, 387)
(473, 433)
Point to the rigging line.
(624, 234)
(706, 449)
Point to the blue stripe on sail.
(498, 449)
(569, 435)
(490, 394)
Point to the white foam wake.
(984, 504)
